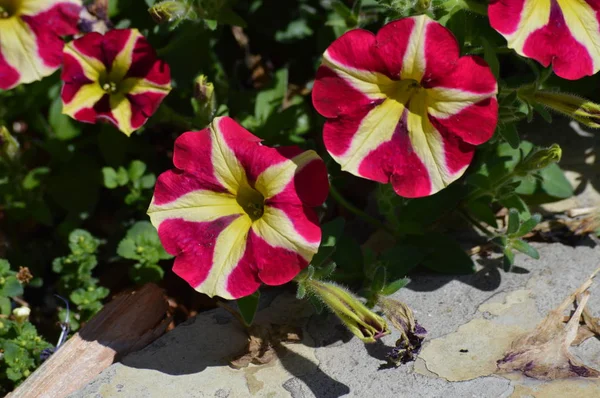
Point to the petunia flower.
(236, 213)
(115, 77)
(30, 38)
(403, 107)
(565, 34)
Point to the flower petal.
(284, 240)
(565, 33)
(207, 252)
(302, 179)
(79, 103)
(30, 43)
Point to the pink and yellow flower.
(30, 38)
(115, 77)
(564, 33)
(236, 213)
(403, 107)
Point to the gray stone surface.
(474, 311)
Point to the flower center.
(402, 91)
(109, 87)
(251, 201)
(8, 8)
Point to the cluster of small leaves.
(210, 12)
(511, 240)
(20, 344)
(10, 286)
(134, 177)
(76, 281)
(143, 245)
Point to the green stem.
(358, 212)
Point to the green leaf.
(394, 286)
(110, 177)
(122, 176)
(5, 306)
(11, 287)
(127, 249)
(403, 258)
(136, 170)
(330, 233)
(33, 179)
(509, 132)
(529, 225)
(270, 100)
(148, 181)
(145, 273)
(525, 248)
(509, 259)
(513, 221)
(543, 112)
(515, 202)
(379, 279)
(348, 255)
(481, 210)
(554, 182)
(4, 267)
(248, 306)
(301, 292)
(489, 54)
(63, 127)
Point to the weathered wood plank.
(126, 324)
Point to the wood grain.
(128, 323)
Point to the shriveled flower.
(403, 107)
(115, 77)
(411, 333)
(236, 213)
(565, 33)
(30, 38)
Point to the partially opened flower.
(114, 77)
(30, 38)
(565, 33)
(403, 107)
(236, 213)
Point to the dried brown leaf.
(544, 352)
(263, 343)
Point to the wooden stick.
(128, 323)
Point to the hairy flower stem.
(358, 212)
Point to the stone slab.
(472, 312)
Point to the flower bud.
(412, 334)
(168, 11)
(21, 314)
(204, 101)
(9, 146)
(364, 323)
(580, 109)
(540, 158)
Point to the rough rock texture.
(478, 314)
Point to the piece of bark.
(128, 323)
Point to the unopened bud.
(204, 101)
(168, 11)
(580, 109)
(540, 158)
(364, 323)
(9, 146)
(21, 314)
